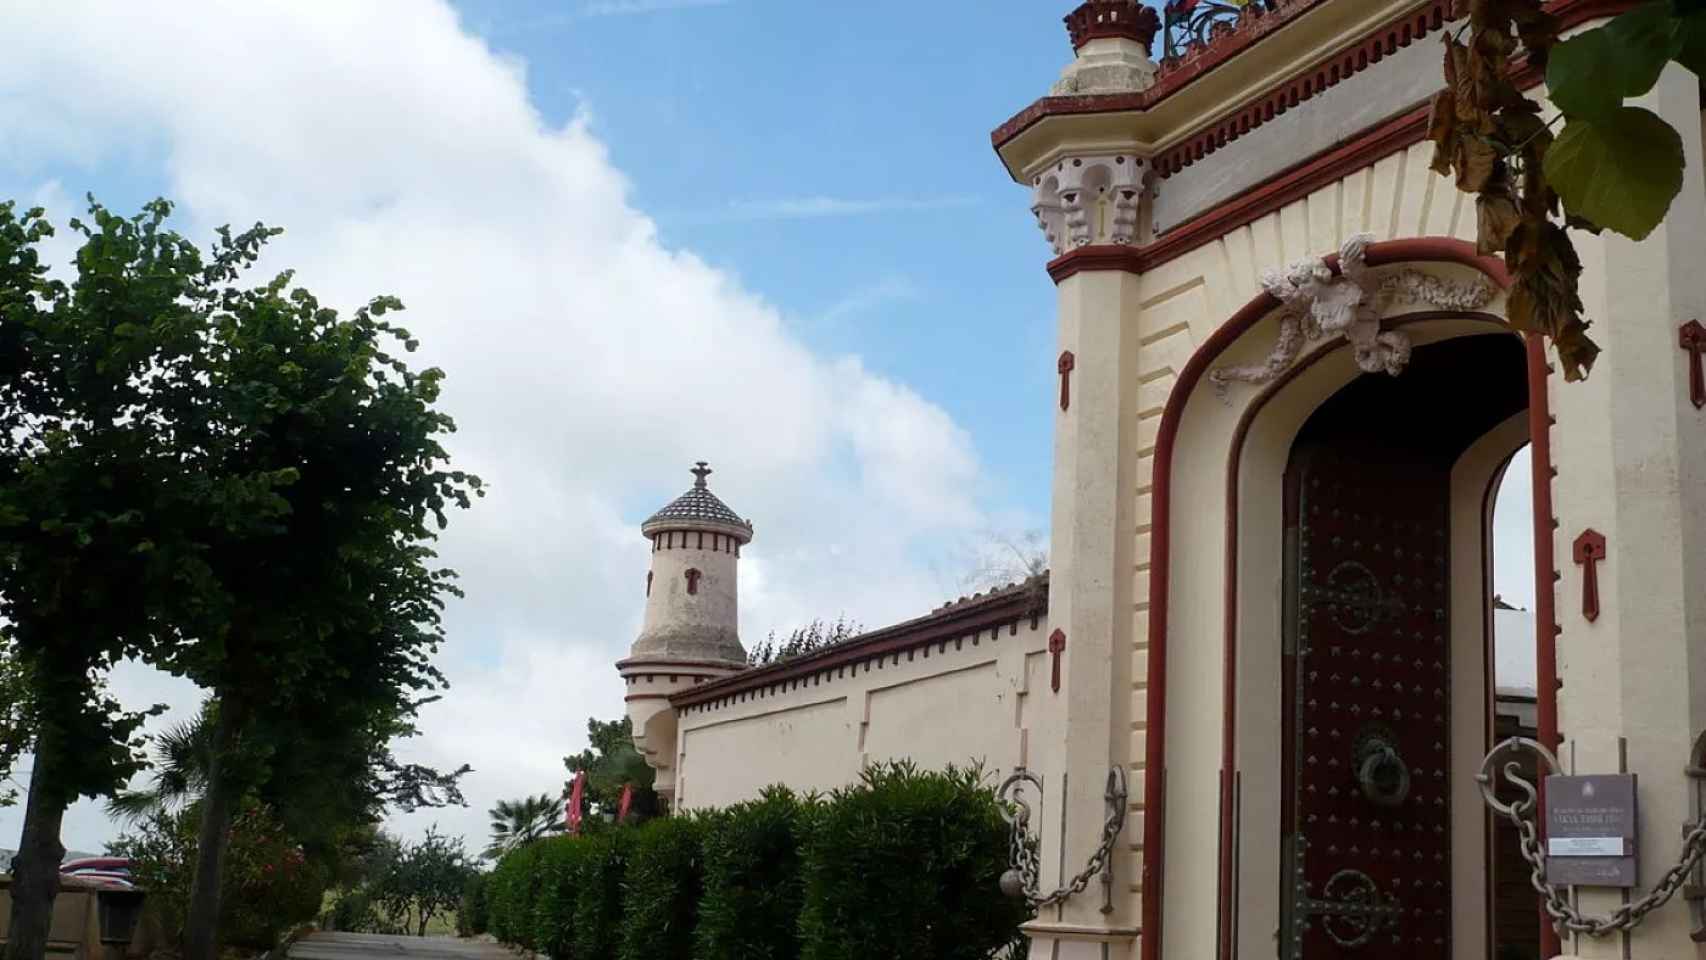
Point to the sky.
(636, 234)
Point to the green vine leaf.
(1620, 170)
(1592, 73)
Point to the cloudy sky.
(635, 233)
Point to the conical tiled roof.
(698, 508)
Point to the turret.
(691, 632)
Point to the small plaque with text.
(1590, 830)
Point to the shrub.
(665, 879)
(751, 905)
(514, 887)
(473, 918)
(269, 887)
(562, 870)
(907, 864)
(597, 926)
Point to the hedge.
(753, 891)
(903, 863)
(665, 879)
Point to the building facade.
(1287, 399)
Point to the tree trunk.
(201, 929)
(35, 869)
(424, 918)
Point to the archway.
(1386, 641)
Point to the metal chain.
(1025, 876)
(1564, 914)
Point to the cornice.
(1182, 118)
(957, 624)
(1309, 175)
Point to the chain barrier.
(1564, 914)
(1024, 876)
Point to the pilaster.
(1093, 552)
(1629, 448)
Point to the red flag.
(575, 797)
(626, 802)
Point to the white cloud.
(588, 364)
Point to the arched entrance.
(1387, 504)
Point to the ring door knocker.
(1381, 772)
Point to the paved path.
(363, 946)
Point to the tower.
(691, 632)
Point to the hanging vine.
(1608, 167)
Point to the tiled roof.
(698, 505)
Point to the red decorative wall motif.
(1065, 367)
(693, 580)
(1589, 551)
(1693, 341)
(1056, 647)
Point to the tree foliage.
(810, 638)
(516, 823)
(16, 723)
(233, 483)
(93, 373)
(1611, 167)
(425, 880)
(611, 762)
(271, 885)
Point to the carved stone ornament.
(1088, 199)
(1320, 305)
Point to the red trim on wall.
(1389, 39)
(1423, 249)
(1545, 580)
(1003, 608)
(1286, 93)
(1298, 182)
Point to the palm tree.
(181, 759)
(517, 823)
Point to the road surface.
(364, 946)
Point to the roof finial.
(700, 472)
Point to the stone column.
(1082, 730)
(1630, 453)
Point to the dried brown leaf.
(1497, 217)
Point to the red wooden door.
(1367, 856)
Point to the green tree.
(810, 638)
(15, 719)
(234, 483)
(90, 564)
(611, 762)
(426, 880)
(1610, 167)
(320, 483)
(516, 823)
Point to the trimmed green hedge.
(904, 863)
(665, 879)
(753, 889)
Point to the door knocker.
(1381, 772)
